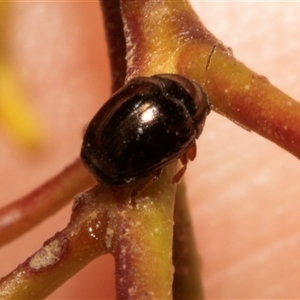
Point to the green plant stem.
(149, 27)
(142, 243)
(245, 97)
(169, 37)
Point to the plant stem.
(115, 42)
(169, 37)
(243, 96)
(25, 213)
(142, 243)
(64, 254)
(105, 220)
(187, 281)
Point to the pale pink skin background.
(243, 190)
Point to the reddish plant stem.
(115, 42)
(25, 213)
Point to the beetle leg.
(184, 160)
(189, 155)
(143, 186)
(191, 152)
(177, 177)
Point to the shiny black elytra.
(144, 126)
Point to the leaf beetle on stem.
(148, 123)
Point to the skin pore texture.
(242, 189)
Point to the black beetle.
(148, 123)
